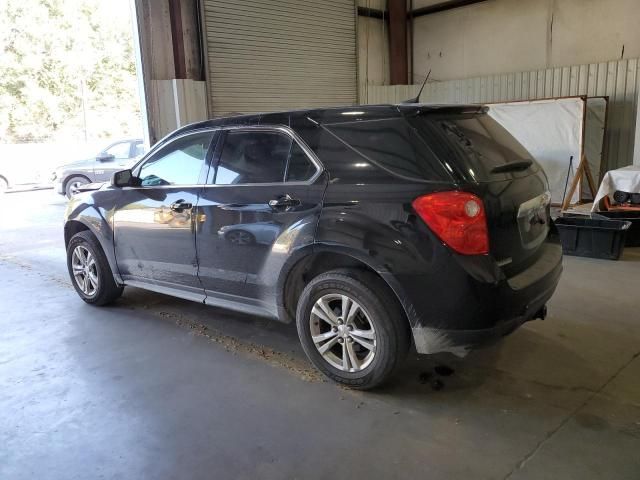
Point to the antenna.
(416, 99)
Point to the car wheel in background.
(352, 328)
(240, 237)
(73, 183)
(89, 270)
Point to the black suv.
(370, 226)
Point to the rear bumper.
(481, 312)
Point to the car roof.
(332, 115)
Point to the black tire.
(73, 182)
(106, 290)
(380, 307)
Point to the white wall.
(501, 36)
(373, 52)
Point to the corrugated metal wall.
(279, 55)
(619, 80)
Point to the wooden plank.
(574, 184)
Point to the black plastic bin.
(633, 235)
(587, 237)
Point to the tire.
(74, 182)
(377, 317)
(102, 288)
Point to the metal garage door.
(279, 54)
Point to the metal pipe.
(441, 7)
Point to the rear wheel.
(89, 270)
(71, 186)
(351, 328)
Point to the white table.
(626, 179)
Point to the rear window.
(435, 147)
(473, 144)
(392, 145)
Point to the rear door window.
(260, 157)
(300, 168)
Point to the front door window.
(179, 163)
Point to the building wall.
(373, 49)
(618, 80)
(501, 36)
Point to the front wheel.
(352, 328)
(89, 270)
(71, 186)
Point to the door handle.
(283, 201)
(180, 205)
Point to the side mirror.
(123, 178)
(105, 157)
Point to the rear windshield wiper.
(516, 166)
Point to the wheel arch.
(73, 175)
(323, 258)
(90, 220)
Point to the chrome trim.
(167, 140)
(281, 128)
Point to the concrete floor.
(155, 387)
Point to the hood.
(77, 163)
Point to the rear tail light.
(457, 218)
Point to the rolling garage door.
(279, 54)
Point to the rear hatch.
(461, 147)
(485, 159)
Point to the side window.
(253, 157)
(138, 149)
(300, 167)
(178, 163)
(119, 150)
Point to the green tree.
(66, 71)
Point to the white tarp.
(551, 130)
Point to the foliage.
(67, 71)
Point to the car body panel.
(250, 269)
(88, 209)
(154, 243)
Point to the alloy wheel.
(73, 187)
(85, 270)
(240, 237)
(342, 332)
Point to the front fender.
(83, 213)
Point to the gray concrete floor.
(155, 387)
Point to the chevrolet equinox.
(373, 227)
